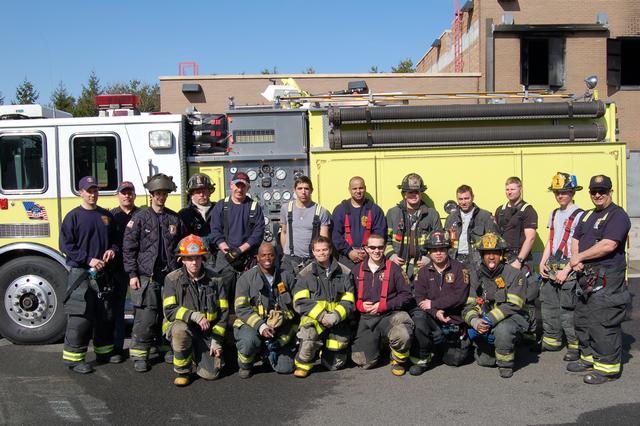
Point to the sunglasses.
(376, 247)
(599, 191)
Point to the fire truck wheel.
(32, 289)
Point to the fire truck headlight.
(160, 139)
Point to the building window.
(542, 62)
(97, 156)
(22, 165)
(623, 63)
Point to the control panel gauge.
(265, 169)
(281, 174)
(253, 175)
(266, 196)
(233, 169)
(286, 196)
(277, 196)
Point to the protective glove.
(232, 255)
(438, 336)
(488, 321)
(472, 333)
(332, 318)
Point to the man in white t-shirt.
(557, 293)
(301, 220)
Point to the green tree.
(86, 106)
(1, 99)
(270, 71)
(26, 94)
(404, 66)
(374, 69)
(309, 70)
(149, 94)
(62, 100)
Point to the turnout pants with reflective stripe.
(88, 317)
(558, 303)
(335, 341)
(598, 317)
(453, 351)
(502, 352)
(121, 283)
(147, 321)
(190, 347)
(250, 344)
(394, 327)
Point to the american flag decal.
(35, 210)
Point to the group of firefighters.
(353, 284)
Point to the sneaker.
(141, 365)
(300, 373)
(505, 373)
(579, 367)
(571, 355)
(115, 358)
(244, 373)
(182, 380)
(397, 368)
(598, 379)
(417, 370)
(80, 367)
(168, 357)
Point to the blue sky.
(52, 41)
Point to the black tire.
(54, 276)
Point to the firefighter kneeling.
(323, 296)
(495, 307)
(441, 289)
(384, 293)
(266, 318)
(196, 307)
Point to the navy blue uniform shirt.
(611, 223)
(87, 234)
(358, 221)
(238, 232)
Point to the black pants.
(121, 285)
(394, 328)
(90, 315)
(454, 350)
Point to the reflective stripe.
(102, 350)
(177, 362)
(587, 358)
(470, 315)
(285, 338)
(138, 353)
(73, 356)
(421, 361)
(307, 320)
(551, 341)
(242, 301)
(301, 295)
(341, 311)
(180, 313)
(348, 296)
(245, 359)
(515, 299)
(319, 307)
(219, 330)
(212, 316)
(606, 368)
(168, 301)
(388, 249)
(303, 365)
(572, 345)
(223, 303)
(400, 356)
(238, 323)
(471, 301)
(253, 320)
(165, 325)
(335, 345)
(497, 314)
(505, 357)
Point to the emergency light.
(160, 139)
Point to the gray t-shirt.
(302, 226)
(463, 243)
(559, 224)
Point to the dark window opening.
(22, 164)
(542, 62)
(96, 156)
(630, 62)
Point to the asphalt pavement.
(35, 388)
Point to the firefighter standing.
(599, 258)
(237, 229)
(197, 214)
(87, 238)
(301, 220)
(466, 224)
(196, 308)
(148, 249)
(408, 225)
(440, 289)
(265, 316)
(354, 220)
(558, 289)
(495, 307)
(121, 216)
(323, 296)
(383, 298)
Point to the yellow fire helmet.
(491, 242)
(564, 182)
